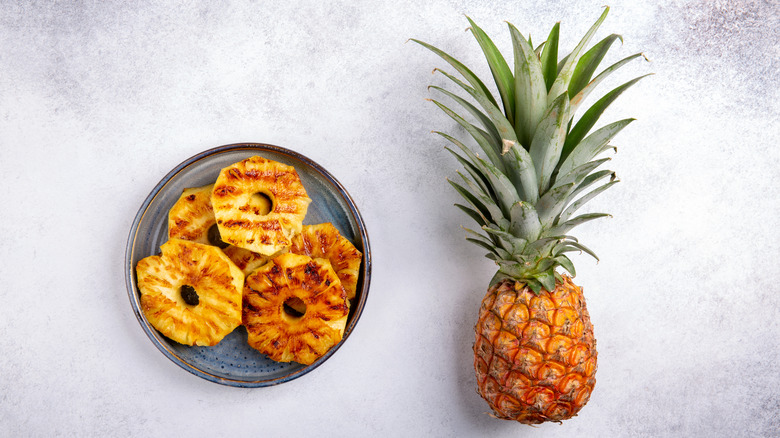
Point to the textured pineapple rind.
(216, 279)
(325, 241)
(535, 354)
(281, 337)
(239, 220)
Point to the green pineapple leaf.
(473, 214)
(462, 69)
(530, 90)
(588, 64)
(587, 149)
(561, 83)
(577, 100)
(549, 56)
(593, 113)
(574, 206)
(482, 140)
(502, 76)
(549, 139)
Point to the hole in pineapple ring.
(294, 307)
(215, 238)
(189, 295)
(261, 203)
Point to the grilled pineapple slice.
(325, 241)
(245, 259)
(239, 194)
(270, 296)
(192, 218)
(191, 293)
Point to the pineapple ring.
(192, 218)
(191, 293)
(325, 241)
(238, 193)
(280, 333)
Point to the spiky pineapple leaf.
(577, 100)
(473, 214)
(504, 127)
(582, 152)
(591, 179)
(498, 67)
(462, 69)
(547, 279)
(569, 246)
(566, 226)
(588, 64)
(561, 83)
(517, 244)
(522, 173)
(482, 140)
(475, 202)
(552, 203)
(593, 113)
(579, 173)
(479, 115)
(472, 170)
(498, 185)
(530, 89)
(534, 284)
(566, 264)
(574, 206)
(524, 221)
(549, 139)
(549, 56)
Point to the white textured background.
(99, 100)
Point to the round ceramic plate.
(233, 362)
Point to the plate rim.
(133, 292)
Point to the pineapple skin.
(325, 241)
(534, 355)
(284, 338)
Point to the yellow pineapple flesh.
(535, 355)
(191, 293)
(239, 197)
(192, 218)
(325, 241)
(273, 291)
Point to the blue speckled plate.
(233, 362)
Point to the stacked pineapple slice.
(238, 253)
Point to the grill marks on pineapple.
(280, 282)
(209, 272)
(325, 241)
(542, 344)
(259, 204)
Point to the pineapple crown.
(540, 166)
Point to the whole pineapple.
(534, 353)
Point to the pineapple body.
(535, 354)
(293, 281)
(202, 319)
(240, 202)
(325, 241)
